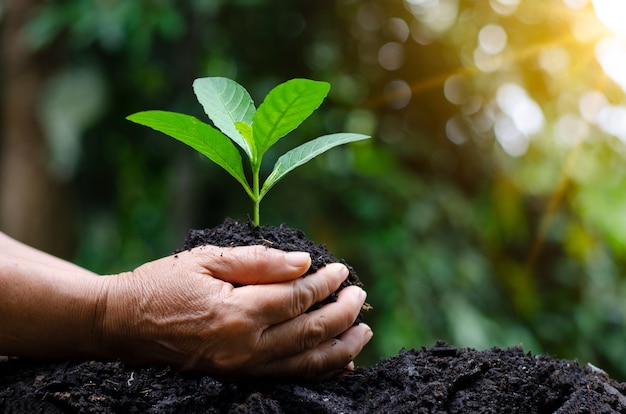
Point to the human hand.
(183, 310)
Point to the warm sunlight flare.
(611, 13)
(611, 51)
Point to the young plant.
(232, 111)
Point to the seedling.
(232, 111)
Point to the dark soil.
(441, 379)
(233, 233)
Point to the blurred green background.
(488, 210)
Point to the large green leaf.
(226, 103)
(284, 109)
(198, 135)
(304, 153)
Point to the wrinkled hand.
(183, 310)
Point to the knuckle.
(313, 365)
(314, 332)
(303, 296)
(229, 357)
(227, 362)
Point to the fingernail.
(363, 296)
(297, 259)
(368, 331)
(341, 269)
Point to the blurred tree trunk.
(33, 205)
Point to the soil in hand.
(233, 233)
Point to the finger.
(280, 302)
(332, 357)
(309, 330)
(347, 369)
(252, 264)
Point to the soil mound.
(440, 379)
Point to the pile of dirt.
(441, 379)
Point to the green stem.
(257, 198)
(256, 213)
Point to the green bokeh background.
(457, 233)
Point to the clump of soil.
(441, 379)
(233, 233)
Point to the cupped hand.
(185, 311)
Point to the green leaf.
(304, 153)
(226, 103)
(198, 135)
(246, 132)
(284, 109)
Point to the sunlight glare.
(575, 4)
(523, 110)
(611, 54)
(611, 13)
(521, 118)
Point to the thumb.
(249, 265)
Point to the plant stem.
(257, 198)
(256, 213)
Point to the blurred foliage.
(489, 209)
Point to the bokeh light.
(492, 39)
